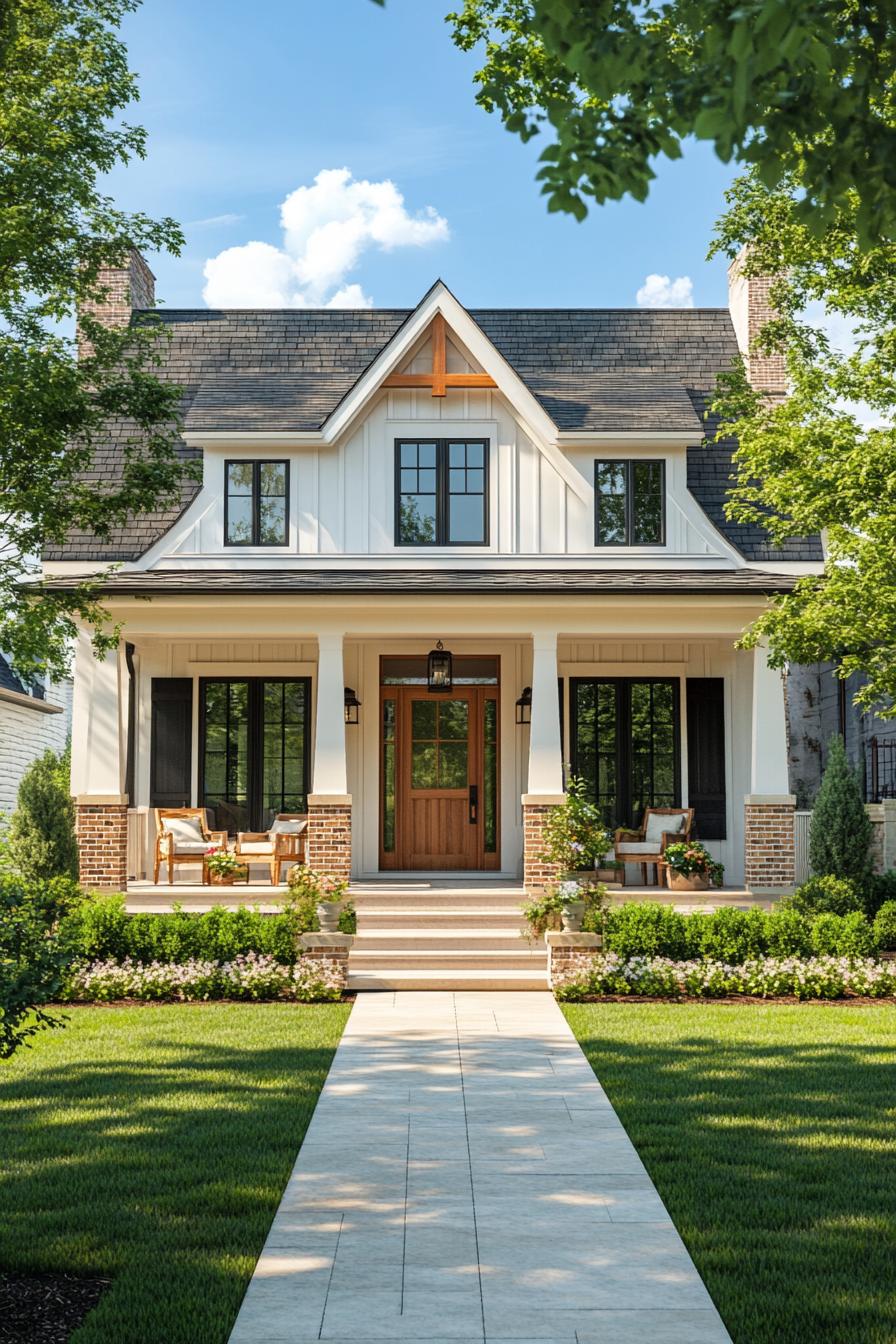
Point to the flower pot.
(572, 915)
(686, 881)
(328, 915)
(228, 879)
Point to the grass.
(152, 1144)
(770, 1132)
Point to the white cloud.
(327, 227)
(213, 221)
(658, 291)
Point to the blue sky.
(245, 104)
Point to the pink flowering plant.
(221, 862)
(574, 835)
(689, 857)
(255, 976)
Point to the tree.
(42, 840)
(824, 458)
(64, 82)
(35, 951)
(840, 831)
(795, 87)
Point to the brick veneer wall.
(565, 963)
(767, 373)
(537, 872)
(330, 838)
(332, 949)
(769, 845)
(126, 287)
(102, 830)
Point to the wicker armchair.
(183, 836)
(285, 842)
(647, 845)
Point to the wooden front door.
(444, 787)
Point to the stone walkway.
(464, 1178)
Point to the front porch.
(417, 784)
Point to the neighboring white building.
(30, 724)
(532, 490)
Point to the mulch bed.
(45, 1308)
(848, 1001)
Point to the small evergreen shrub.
(824, 896)
(840, 831)
(42, 840)
(885, 927)
(788, 933)
(646, 929)
(879, 889)
(735, 935)
(842, 936)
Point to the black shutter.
(171, 747)
(706, 755)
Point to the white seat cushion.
(185, 830)
(284, 827)
(191, 847)
(256, 847)
(638, 847)
(657, 825)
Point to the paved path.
(464, 1178)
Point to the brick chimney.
(750, 306)
(129, 286)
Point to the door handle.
(474, 803)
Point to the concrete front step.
(398, 978)
(424, 918)
(465, 958)
(431, 900)
(433, 940)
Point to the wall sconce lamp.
(352, 705)
(524, 706)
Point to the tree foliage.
(34, 954)
(64, 84)
(42, 840)
(805, 88)
(823, 460)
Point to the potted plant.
(325, 892)
(691, 867)
(565, 905)
(575, 837)
(224, 868)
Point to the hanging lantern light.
(352, 705)
(524, 706)
(439, 672)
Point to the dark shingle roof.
(591, 369)
(564, 582)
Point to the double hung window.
(441, 492)
(256, 504)
(629, 503)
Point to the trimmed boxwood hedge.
(645, 929)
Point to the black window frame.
(255, 739)
(443, 492)
(256, 464)
(624, 737)
(629, 463)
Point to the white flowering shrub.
(766, 977)
(253, 976)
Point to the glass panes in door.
(439, 744)
(626, 744)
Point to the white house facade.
(33, 720)
(437, 561)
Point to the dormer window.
(256, 504)
(629, 503)
(441, 492)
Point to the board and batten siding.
(342, 496)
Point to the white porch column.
(99, 728)
(545, 749)
(329, 802)
(769, 806)
(545, 781)
(330, 775)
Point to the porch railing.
(880, 770)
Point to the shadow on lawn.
(777, 1162)
(162, 1170)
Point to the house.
(33, 719)
(438, 557)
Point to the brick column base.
(102, 831)
(570, 954)
(331, 948)
(768, 842)
(330, 835)
(537, 872)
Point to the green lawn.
(152, 1144)
(770, 1132)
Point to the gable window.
(441, 492)
(256, 504)
(629, 503)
